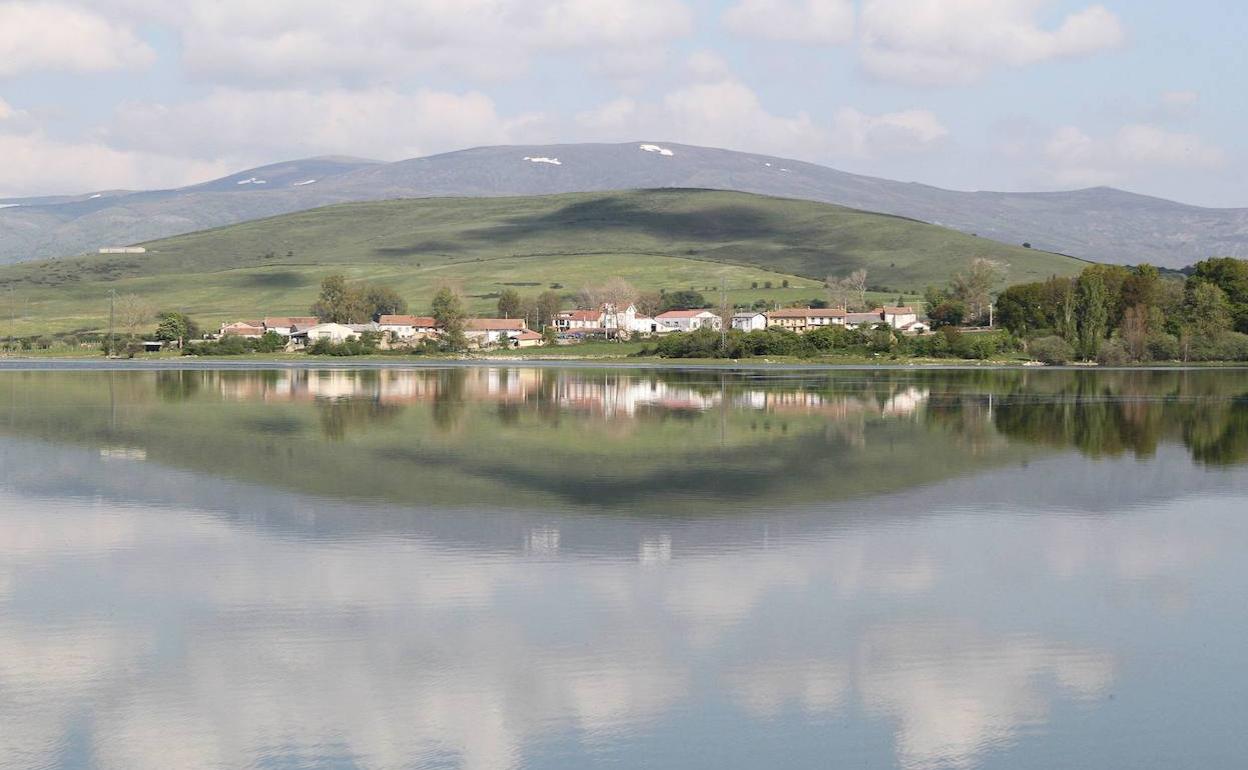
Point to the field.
(658, 239)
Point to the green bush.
(1051, 350)
(1113, 353)
(1164, 347)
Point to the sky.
(1145, 95)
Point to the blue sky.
(969, 94)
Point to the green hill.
(658, 239)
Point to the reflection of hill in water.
(689, 442)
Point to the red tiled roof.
(407, 320)
(529, 334)
(898, 310)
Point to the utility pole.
(112, 302)
(724, 316)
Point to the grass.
(657, 239)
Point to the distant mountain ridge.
(1101, 224)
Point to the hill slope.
(1099, 224)
(672, 239)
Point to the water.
(541, 568)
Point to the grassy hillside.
(672, 239)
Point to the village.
(566, 327)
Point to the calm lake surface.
(497, 568)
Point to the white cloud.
(707, 65)
(315, 41)
(727, 113)
(1077, 159)
(382, 123)
(50, 36)
(945, 42)
(866, 136)
(37, 165)
(1150, 145)
(827, 22)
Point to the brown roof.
(807, 312)
(898, 310)
(529, 334)
(291, 321)
(243, 327)
(407, 320)
(494, 324)
(682, 313)
(581, 315)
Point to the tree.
(682, 300)
(549, 303)
(381, 300)
(650, 303)
(1135, 331)
(550, 336)
(133, 313)
(1093, 313)
(509, 303)
(974, 286)
(1208, 309)
(948, 313)
(857, 283)
(172, 326)
(448, 312)
(1231, 276)
(335, 304)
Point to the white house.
(899, 317)
(494, 331)
(621, 319)
(575, 320)
(335, 333)
(407, 327)
(749, 322)
(804, 319)
(687, 320)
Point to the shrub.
(1113, 353)
(1051, 350)
(1164, 347)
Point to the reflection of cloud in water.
(956, 694)
(230, 646)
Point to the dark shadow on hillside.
(282, 280)
(608, 215)
(420, 248)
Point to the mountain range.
(1100, 224)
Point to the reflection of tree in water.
(1109, 414)
(178, 385)
(448, 399)
(1219, 435)
(338, 418)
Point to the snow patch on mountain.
(97, 195)
(9, 205)
(306, 181)
(656, 148)
(551, 161)
(253, 180)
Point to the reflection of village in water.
(607, 394)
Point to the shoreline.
(16, 364)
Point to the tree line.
(1116, 314)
